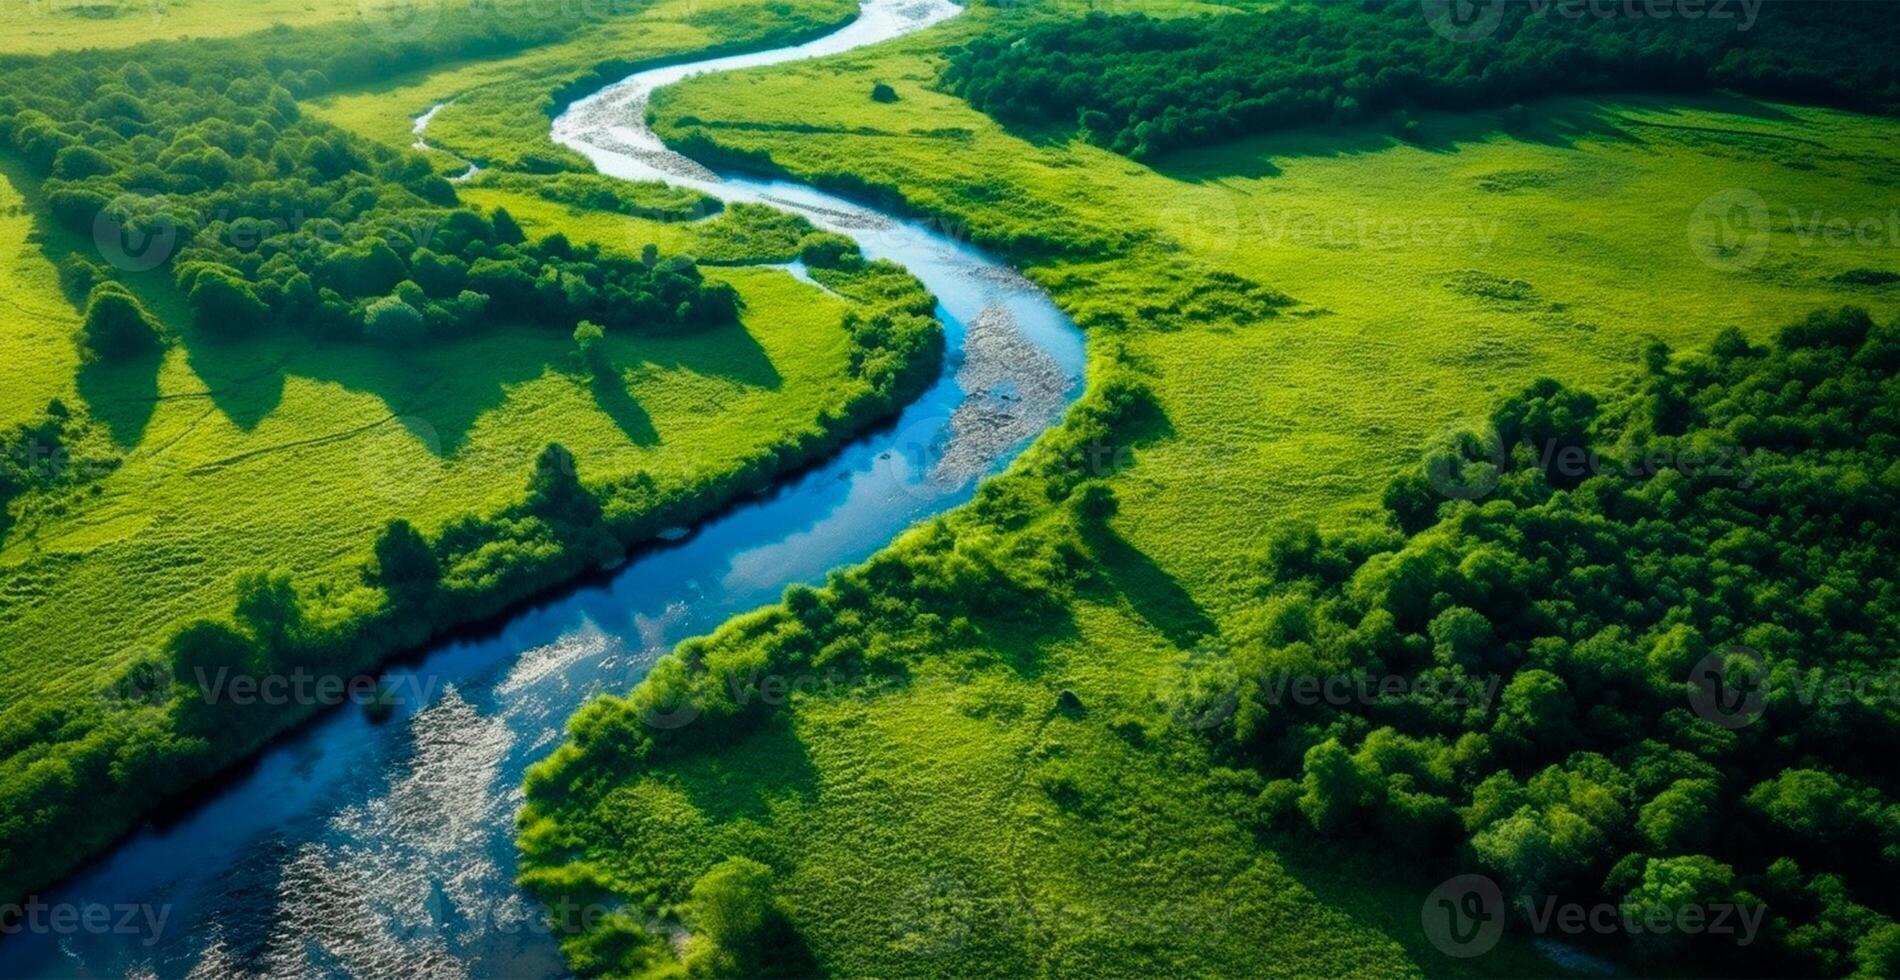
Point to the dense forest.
(1143, 86)
(1634, 650)
(198, 156)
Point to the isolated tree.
(881, 92)
(117, 324)
(555, 492)
(406, 567)
(588, 338)
(200, 651)
(268, 606)
(737, 924)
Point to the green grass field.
(45, 26)
(497, 110)
(288, 453)
(913, 830)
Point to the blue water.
(364, 849)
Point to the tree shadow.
(610, 393)
(1371, 891)
(1022, 641)
(122, 394)
(243, 376)
(1154, 594)
(726, 350)
(738, 777)
(1560, 123)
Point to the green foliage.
(1143, 86)
(271, 219)
(883, 93)
(405, 566)
(826, 250)
(117, 325)
(587, 343)
(1589, 600)
(595, 192)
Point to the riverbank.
(993, 758)
(833, 515)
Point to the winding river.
(384, 850)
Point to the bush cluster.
(1144, 86)
(1605, 588)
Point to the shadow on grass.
(1154, 594)
(1389, 897)
(1560, 123)
(610, 392)
(122, 394)
(738, 778)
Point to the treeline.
(1635, 650)
(980, 578)
(1638, 650)
(1143, 86)
(75, 776)
(196, 156)
(595, 192)
(47, 457)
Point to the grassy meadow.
(219, 456)
(1311, 310)
(36, 27)
(496, 110)
(289, 453)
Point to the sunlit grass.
(914, 829)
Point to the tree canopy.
(1143, 86)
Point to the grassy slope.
(497, 110)
(876, 807)
(65, 25)
(282, 452)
